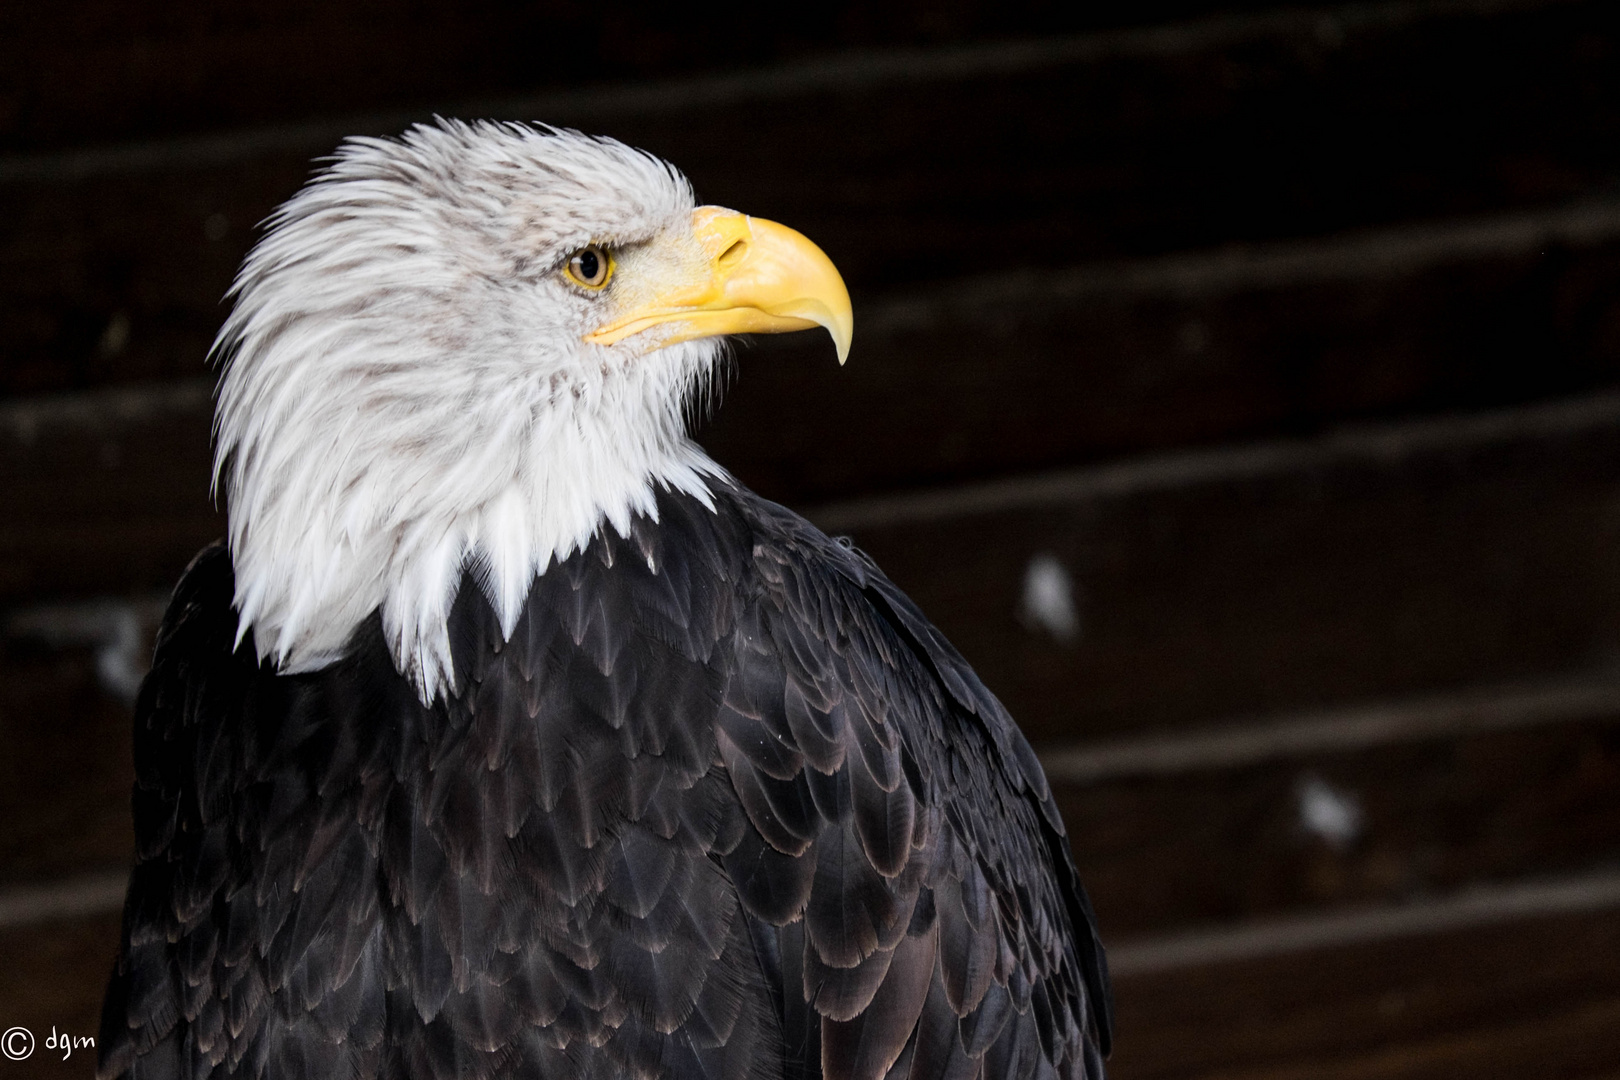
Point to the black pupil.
(588, 265)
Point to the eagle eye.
(590, 267)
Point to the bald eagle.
(509, 735)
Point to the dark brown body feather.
(724, 806)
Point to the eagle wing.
(904, 847)
(252, 941)
(721, 804)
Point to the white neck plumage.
(374, 490)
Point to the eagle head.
(472, 347)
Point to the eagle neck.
(364, 519)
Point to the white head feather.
(406, 391)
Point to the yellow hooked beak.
(755, 277)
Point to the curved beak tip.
(842, 334)
(833, 314)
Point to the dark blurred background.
(1237, 386)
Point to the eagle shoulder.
(904, 841)
(251, 941)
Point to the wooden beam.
(124, 72)
(105, 493)
(912, 166)
(1421, 818)
(1340, 731)
(1534, 997)
(1470, 909)
(1387, 562)
(68, 775)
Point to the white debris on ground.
(1329, 814)
(1048, 603)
